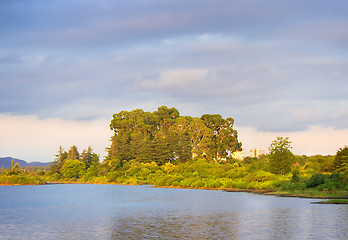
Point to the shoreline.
(266, 192)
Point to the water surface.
(82, 211)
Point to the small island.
(165, 149)
(333, 201)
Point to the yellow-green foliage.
(73, 168)
(21, 179)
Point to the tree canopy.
(165, 136)
(281, 157)
(341, 161)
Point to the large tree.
(223, 137)
(73, 153)
(58, 162)
(89, 158)
(165, 136)
(341, 161)
(280, 156)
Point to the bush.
(172, 180)
(228, 183)
(188, 182)
(238, 183)
(21, 179)
(302, 186)
(262, 176)
(197, 184)
(316, 180)
(214, 183)
(161, 181)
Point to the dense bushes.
(199, 173)
(326, 181)
(21, 179)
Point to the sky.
(279, 68)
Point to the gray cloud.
(86, 24)
(269, 64)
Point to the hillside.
(5, 162)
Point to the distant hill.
(38, 164)
(6, 162)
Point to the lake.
(83, 211)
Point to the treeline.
(17, 175)
(72, 164)
(166, 149)
(317, 175)
(162, 136)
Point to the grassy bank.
(253, 176)
(307, 193)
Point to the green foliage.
(340, 163)
(295, 175)
(166, 149)
(87, 157)
(73, 169)
(281, 158)
(58, 162)
(15, 169)
(316, 180)
(73, 153)
(21, 179)
(165, 136)
(326, 181)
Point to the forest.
(165, 149)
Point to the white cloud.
(176, 79)
(312, 141)
(33, 139)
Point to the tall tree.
(58, 162)
(73, 153)
(223, 138)
(280, 155)
(89, 158)
(340, 163)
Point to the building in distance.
(257, 152)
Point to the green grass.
(314, 193)
(334, 201)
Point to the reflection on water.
(143, 212)
(188, 227)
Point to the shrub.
(238, 183)
(262, 176)
(187, 182)
(316, 180)
(101, 180)
(197, 184)
(228, 183)
(213, 183)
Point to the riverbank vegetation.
(18, 176)
(168, 150)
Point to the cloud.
(81, 24)
(268, 64)
(174, 80)
(238, 81)
(33, 139)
